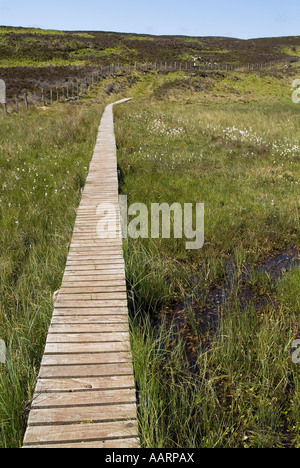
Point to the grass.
(37, 31)
(44, 156)
(234, 385)
(84, 35)
(187, 57)
(29, 62)
(293, 51)
(109, 52)
(139, 38)
(194, 40)
(228, 140)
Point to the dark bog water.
(196, 319)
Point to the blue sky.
(234, 18)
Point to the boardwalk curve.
(85, 395)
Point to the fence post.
(43, 97)
(26, 100)
(51, 96)
(57, 94)
(17, 104)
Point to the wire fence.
(76, 89)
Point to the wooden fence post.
(43, 97)
(26, 100)
(17, 104)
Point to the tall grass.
(241, 388)
(44, 157)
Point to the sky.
(232, 18)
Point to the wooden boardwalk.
(85, 395)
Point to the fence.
(75, 89)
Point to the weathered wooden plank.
(101, 444)
(89, 297)
(89, 359)
(87, 337)
(80, 370)
(77, 415)
(94, 289)
(110, 303)
(92, 273)
(88, 383)
(77, 399)
(89, 319)
(93, 279)
(92, 260)
(92, 311)
(81, 432)
(88, 328)
(84, 270)
(83, 348)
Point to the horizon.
(145, 34)
(246, 21)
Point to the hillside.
(32, 46)
(62, 55)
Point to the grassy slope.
(67, 56)
(37, 45)
(178, 143)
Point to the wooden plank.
(107, 287)
(88, 383)
(83, 348)
(95, 274)
(84, 270)
(87, 328)
(92, 259)
(77, 415)
(79, 433)
(99, 359)
(89, 319)
(100, 444)
(77, 399)
(93, 280)
(85, 395)
(90, 297)
(93, 304)
(87, 337)
(90, 311)
(79, 370)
